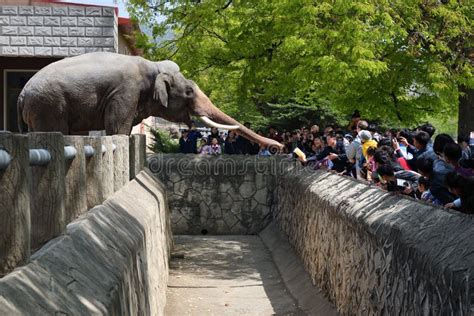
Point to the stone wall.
(57, 31)
(375, 253)
(217, 195)
(112, 261)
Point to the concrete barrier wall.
(370, 252)
(111, 261)
(217, 195)
(44, 185)
(376, 253)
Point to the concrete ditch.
(332, 240)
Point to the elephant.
(113, 92)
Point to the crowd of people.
(410, 162)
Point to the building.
(35, 33)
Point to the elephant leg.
(119, 116)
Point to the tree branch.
(395, 103)
(225, 6)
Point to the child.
(424, 189)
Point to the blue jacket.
(425, 153)
(438, 188)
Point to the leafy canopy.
(397, 61)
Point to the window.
(14, 81)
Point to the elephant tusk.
(211, 123)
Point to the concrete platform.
(226, 275)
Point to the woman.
(230, 145)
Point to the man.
(295, 142)
(245, 147)
(194, 135)
(440, 170)
(430, 129)
(334, 154)
(273, 134)
(419, 149)
(354, 150)
(185, 143)
(215, 134)
(452, 154)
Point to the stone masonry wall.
(112, 261)
(57, 31)
(374, 253)
(217, 195)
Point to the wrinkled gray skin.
(113, 92)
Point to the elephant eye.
(189, 92)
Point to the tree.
(398, 61)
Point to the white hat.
(365, 135)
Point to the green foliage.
(163, 143)
(397, 61)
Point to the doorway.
(14, 81)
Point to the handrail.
(5, 159)
(89, 151)
(39, 157)
(70, 152)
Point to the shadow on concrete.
(205, 266)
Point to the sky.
(120, 3)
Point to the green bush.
(163, 143)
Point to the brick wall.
(56, 31)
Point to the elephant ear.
(160, 92)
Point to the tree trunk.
(466, 112)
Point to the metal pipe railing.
(39, 157)
(89, 151)
(70, 152)
(5, 159)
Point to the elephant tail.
(22, 126)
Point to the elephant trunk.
(203, 107)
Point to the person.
(425, 167)
(440, 169)
(231, 147)
(385, 155)
(186, 143)
(332, 153)
(463, 141)
(264, 152)
(400, 154)
(370, 165)
(430, 129)
(461, 187)
(452, 154)
(306, 141)
(373, 130)
(203, 147)
(419, 149)
(425, 193)
(215, 147)
(194, 134)
(355, 118)
(215, 134)
(366, 142)
(391, 183)
(295, 142)
(243, 144)
(354, 150)
(315, 131)
(273, 134)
